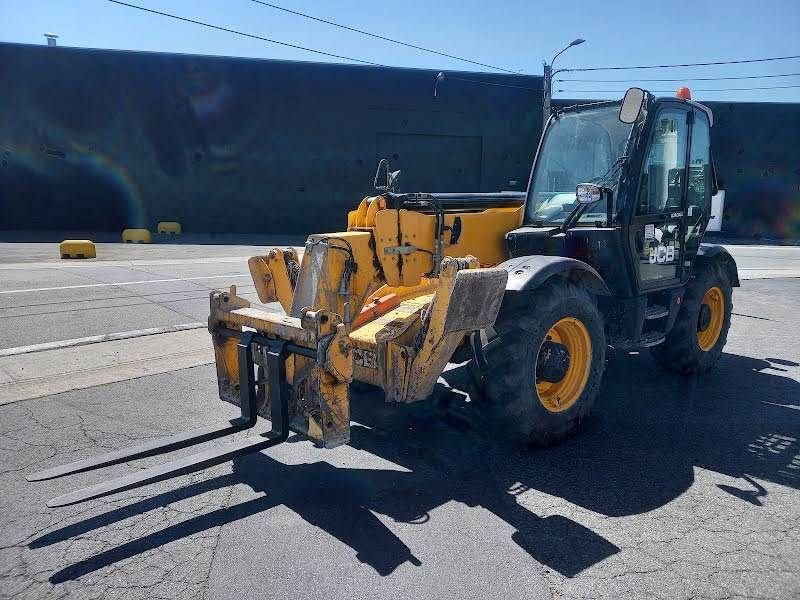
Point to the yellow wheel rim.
(560, 396)
(707, 336)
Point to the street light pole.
(547, 93)
(547, 82)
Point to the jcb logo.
(365, 358)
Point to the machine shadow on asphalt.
(638, 452)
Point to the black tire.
(512, 404)
(681, 352)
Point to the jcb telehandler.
(603, 249)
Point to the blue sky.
(516, 34)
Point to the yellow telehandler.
(603, 249)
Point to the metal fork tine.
(151, 448)
(182, 466)
(180, 440)
(276, 368)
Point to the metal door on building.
(433, 163)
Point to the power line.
(249, 35)
(368, 62)
(382, 37)
(773, 87)
(507, 85)
(699, 64)
(679, 79)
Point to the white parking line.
(105, 337)
(768, 273)
(96, 285)
(89, 263)
(137, 262)
(742, 247)
(63, 369)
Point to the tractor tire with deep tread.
(512, 404)
(681, 351)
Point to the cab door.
(699, 187)
(657, 227)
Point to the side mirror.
(631, 105)
(588, 193)
(385, 180)
(391, 180)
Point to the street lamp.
(548, 80)
(439, 79)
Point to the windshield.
(579, 147)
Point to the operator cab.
(624, 186)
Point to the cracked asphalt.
(677, 488)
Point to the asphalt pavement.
(677, 487)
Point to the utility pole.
(547, 92)
(547, 81)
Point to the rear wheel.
(695, 342)
(545, 372)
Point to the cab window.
(664, 167)
(699, 187)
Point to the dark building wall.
(756, 150)
(101, 140)
(94, 139)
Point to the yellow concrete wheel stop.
(137, 236)
(561, 395)
(170, 227)
(77, 249)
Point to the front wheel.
(544, 374)
(695, 342)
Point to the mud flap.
(475, 300)
(468, 299)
